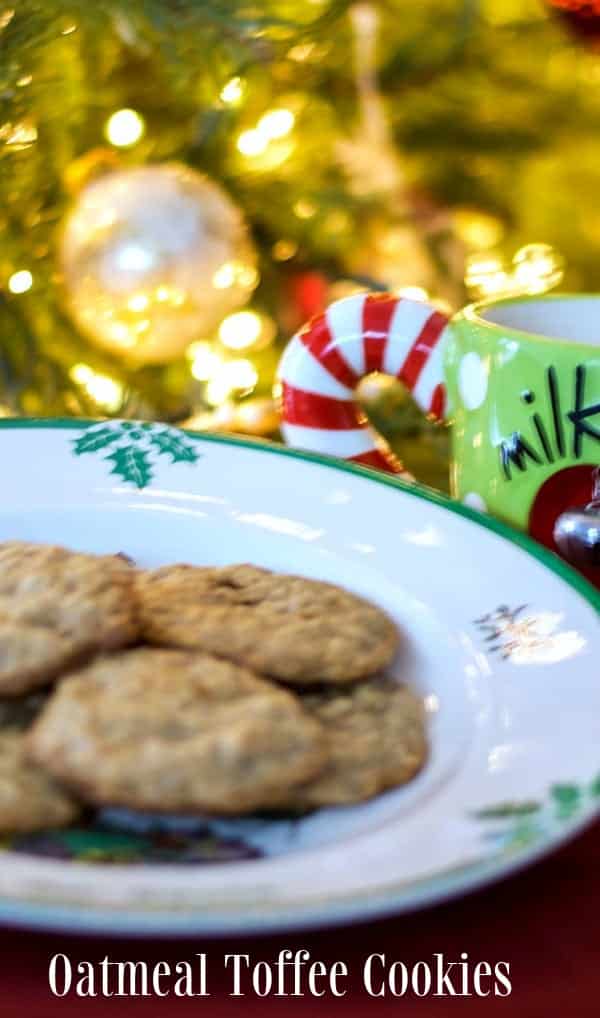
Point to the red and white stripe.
(325, 361)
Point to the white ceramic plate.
(503, 642)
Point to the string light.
(204, 361)
(20, 281)
(283, 250)
(247, 275)
(124, 128)
(537, 268)
(273, 126)
(139, 302)
(275, 154)
(230, 273)
(122, 336)
(224, 277)
(485, 274)
(232, 92)
(104, 390)
(231, 376)
(241, 374)
(276, 123)
(240, 329)
(252, 142)
(217, 391)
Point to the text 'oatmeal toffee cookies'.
(288, 627)
(376, 740)
(176, 731)
(57, 607)
(30, 800)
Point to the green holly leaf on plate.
(507, 809)
(524, 833)
(132, 465)
(95, 439)
(175, 446)
(566, 798)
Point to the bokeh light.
(252, 142)
(20, 281)
(276, 123)
(237, 376)
(124, 128)
(232, 92)
(204, 361)
(106, 392)
(413, 292)
(241, 329)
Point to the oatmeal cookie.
(30, 800)
(57, 607)
(376, 740)
(288, 627)
(176, 731)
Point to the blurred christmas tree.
(339, 146)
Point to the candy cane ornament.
(324, 362)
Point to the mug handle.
(324, 362)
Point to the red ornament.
(573, 486)
(309, 292)
(582, 17)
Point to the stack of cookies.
(219, 691)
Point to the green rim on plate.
(544, 555)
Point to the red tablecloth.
(545, 922)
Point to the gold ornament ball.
(152, 258)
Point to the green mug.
(518, 379)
